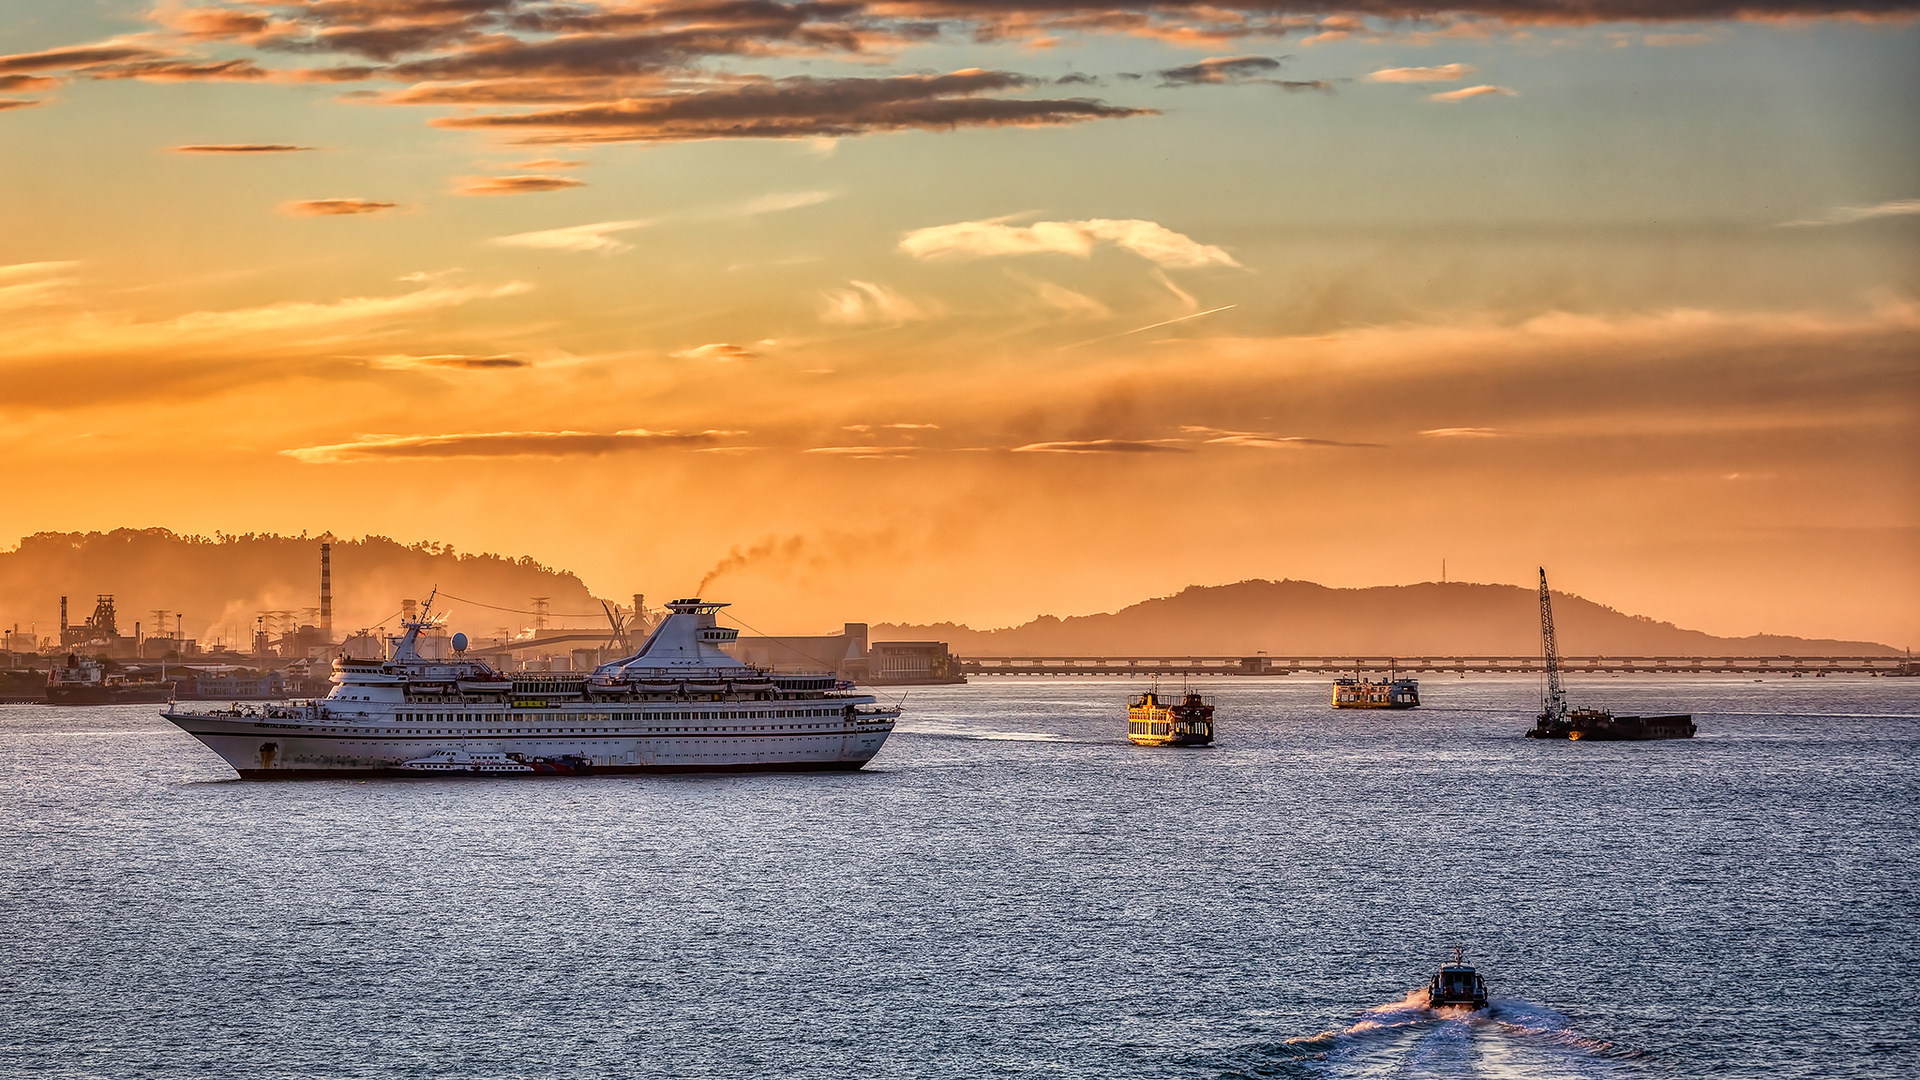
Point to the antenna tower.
(1553, 704)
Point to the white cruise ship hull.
(679, 704)
(261, 745)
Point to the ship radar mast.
(404, 646)
(1553, 704)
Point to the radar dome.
(459, 643)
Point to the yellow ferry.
(1155, 721)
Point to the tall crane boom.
(1553, 705)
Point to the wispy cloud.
(1466, 433)
(1442, 73)
(549, 163)
(1235, 70)
(25, 285)
(980, 239)
(720, 351)
(787, 200)
(1467, 93)
(864, 451)
(1847, 215)
(515, 185)
(799, 107)
(592, 237)
(1287, 442)
(334, 207)
(1102, 446)
(865, 302)
(453, 361)
(20, 103)
(239, 148)
(504, 444)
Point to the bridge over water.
(1412, 665)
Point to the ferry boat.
(679, 704)
(1154, 721)
(1359, 692)
(1456, 985)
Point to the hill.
(222, 583)
(1300, 618)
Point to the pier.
(1414, 665)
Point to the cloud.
(515, 185)
(864, 451)
(1286, 442)
(1061, 298)
(800, 107)
(334, 207)
(1847, 215)
(455, 361)
(550, 163)
(1101, 446)
(12, 83)
(25, 285)
(573, 238)
(866, 302)
(1217, 70)
(20, 103)
(1443, 73)
(1468, 92)
(489, 444)
(1466, 433)
(980, 239)
(717, 351)
(239, 148)
(790, 200)
(201, 352)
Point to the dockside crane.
(1553, 703)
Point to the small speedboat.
(1456, 985)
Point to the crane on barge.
(1557, 721)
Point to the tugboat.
(1153, 721)
(1456, 985)
(1359, 692)
(1556, 721)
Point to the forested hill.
(1301, 618)
(221, 583)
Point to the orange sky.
(976, 311)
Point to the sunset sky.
(978, 309)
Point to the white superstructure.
(680, 704)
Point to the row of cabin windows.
(1142, 727)
(501, 718)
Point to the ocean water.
(1011, 889)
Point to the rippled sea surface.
(1011, 889)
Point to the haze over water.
(1010, 890)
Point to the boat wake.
(1510, 1038)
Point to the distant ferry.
(680, 704)
(1600, 725)
(1360, 692)
(1152, 721)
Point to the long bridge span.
(1464, 665)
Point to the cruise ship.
(679, 704)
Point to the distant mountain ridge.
(1301, 618)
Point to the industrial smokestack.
(326, 591)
